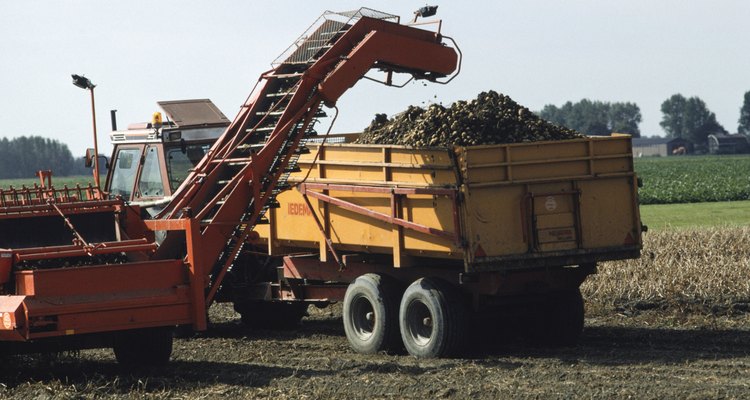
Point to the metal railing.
(323, 32)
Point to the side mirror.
(89, 159)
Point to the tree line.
(595, 117)
(23, 156)
(687, 118)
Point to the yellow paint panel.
(347, 153)
(308, 170)
(557, 246)
(262, 230)
(422, 177)
(542, 151)
(607, 212)
(607, 146)
(292, 221)
(555, 220)
(612, 165)
(492, 217)
(422, 157)
(495, 181)
(353, 172)
(487, 174)
(549, 170)
(479, 155)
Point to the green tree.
(744, 122)
(624, 118)
(23, 156)
(689, 118)
(595, 117)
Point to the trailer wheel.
(432, 319)
(371, 314)
(144, 347)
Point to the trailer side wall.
(489, 207)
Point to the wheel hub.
(419, 323)
(363, 318)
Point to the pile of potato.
(491, 118)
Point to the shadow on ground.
(602, 344)
(605, 345)
(109, 377)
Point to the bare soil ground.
(633, 354)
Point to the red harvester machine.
(81, 269)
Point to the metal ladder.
(237, 182)
(261, 122)
(285, 78)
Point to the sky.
(537, 52)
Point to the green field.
(696, 215)
(71, 181)
(694, 191)
(694, 179)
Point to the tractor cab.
(151, 160)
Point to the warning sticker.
(557, 235)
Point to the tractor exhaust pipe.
(113, 118)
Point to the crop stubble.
(665, 349)
(707, 268)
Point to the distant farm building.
(728, 144)
(645, 147)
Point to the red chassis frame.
(105, 298)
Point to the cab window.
(123, 174)
(151, 184)
(180, 160)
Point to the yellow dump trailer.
(480, 226)
(493, 207)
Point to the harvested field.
(491, 118)
(654, 354)
(643, 339)
(704, 269)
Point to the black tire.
(559, 320)
(144, 347)
(432, 317)
(370, 314)
(271, 314)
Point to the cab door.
(122, 175)
(150, 185)
(138, 173)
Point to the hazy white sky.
(537, 52)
